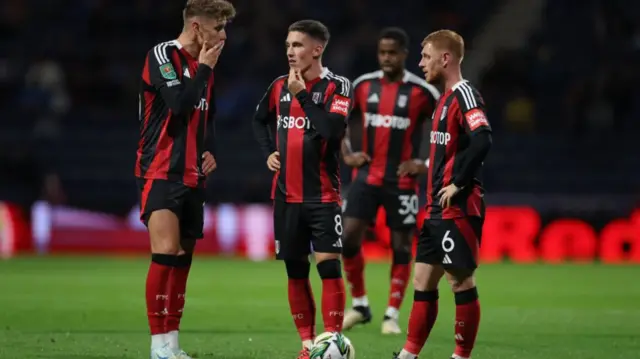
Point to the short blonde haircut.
(220, 10)
(447, 40)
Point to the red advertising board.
(518, 234)
(15, 236)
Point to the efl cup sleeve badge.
(168, 72)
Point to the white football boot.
(162, 353)
(356, 315)
(181, 354)
(390, 326)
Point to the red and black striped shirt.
(176, 112)
(459, 117)
(387, 124)
(307, 131)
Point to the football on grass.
(330, 345)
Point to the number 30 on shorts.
(408, 204)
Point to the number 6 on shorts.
(460, 242)
(447, 242)
(451, 242)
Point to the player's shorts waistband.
(175, 178)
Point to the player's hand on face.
(295, 81)
(209, 55)
(357, 159)
(273, 162)
(208, 163)
(446, 194)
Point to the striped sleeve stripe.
(345, 87)
(160, 51)
(340, 80)
(368, 76)
(468, 96)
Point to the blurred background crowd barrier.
(559, 78)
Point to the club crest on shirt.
(402, 101)
(168, 72)
(444, 113)
(316, 97)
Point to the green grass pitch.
(83, 307)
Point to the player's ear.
(317, 51)
(446, 58)
(195, 26)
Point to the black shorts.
(452, 243)
(186, 202)
(401, 206)
(300, 228)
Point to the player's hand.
(412, 168)
(273, 162)
(357, 159)
(446, 194)
(295, 81)
(209, 55)
(208, 163)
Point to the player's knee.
(419, 282)
(187, 246)
(164, 232)
(297, 269)
(165, 246)
(322, 256)
(461, 280)
(330, 269)
(354, 230)
(349, 250)
(401, 242)
(426, 277)
(353, 233)
(401, 256)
